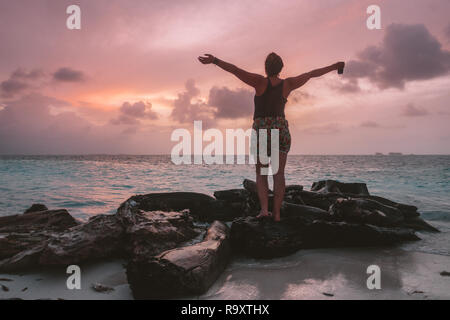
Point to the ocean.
(87, 185)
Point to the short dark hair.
(274, 64)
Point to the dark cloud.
(130, 113)
(68, 75)
(231, 104)
(11, 87)
(27, 75)
(223, 103)
(413, 111)
(19, 81)
(447, 32)
(407, 53)
(370, 124)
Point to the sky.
(130, 76)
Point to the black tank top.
(271, 103)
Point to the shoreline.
(307, 274)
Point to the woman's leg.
(262, 186)
(279, 186)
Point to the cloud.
(186, 109)
(350, 86)
(413, 111)
(130, 113)
(19, 81)
(27, 126)
(231, 104)
(407, 53)
(370, 124)
(447, 32)
(68, 75)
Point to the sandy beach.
(308, 274)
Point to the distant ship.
(395, 153)
(379, 154)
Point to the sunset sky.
(130, 76)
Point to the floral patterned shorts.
(279, 123)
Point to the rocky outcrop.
(182, 271)
(175, 244)
(261, 239)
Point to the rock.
(21, 232)
(332, 186)
(373, 212)
(365, 211)
(36, 207)
(201, 206)
(101, 237)
(101, 288)
(301, 211)
(182, 271)
(266, 239)
(150, 233)
(293, 188)
(50, 220)
(232, 195)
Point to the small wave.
(436, 215)
(76, 204)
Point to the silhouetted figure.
(271, 95)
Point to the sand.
(308, 274)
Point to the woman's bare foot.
(264, 214)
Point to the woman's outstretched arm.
(252, 79)
(296, 82)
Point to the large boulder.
(151, 232)
(24, 231)
(49, 220)
(101, 237)
(201, 206)
(182, 271)
(267, 239)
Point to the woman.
(271, 95)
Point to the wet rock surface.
(177, 243)
(182, 271)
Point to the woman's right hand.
(207, 59)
